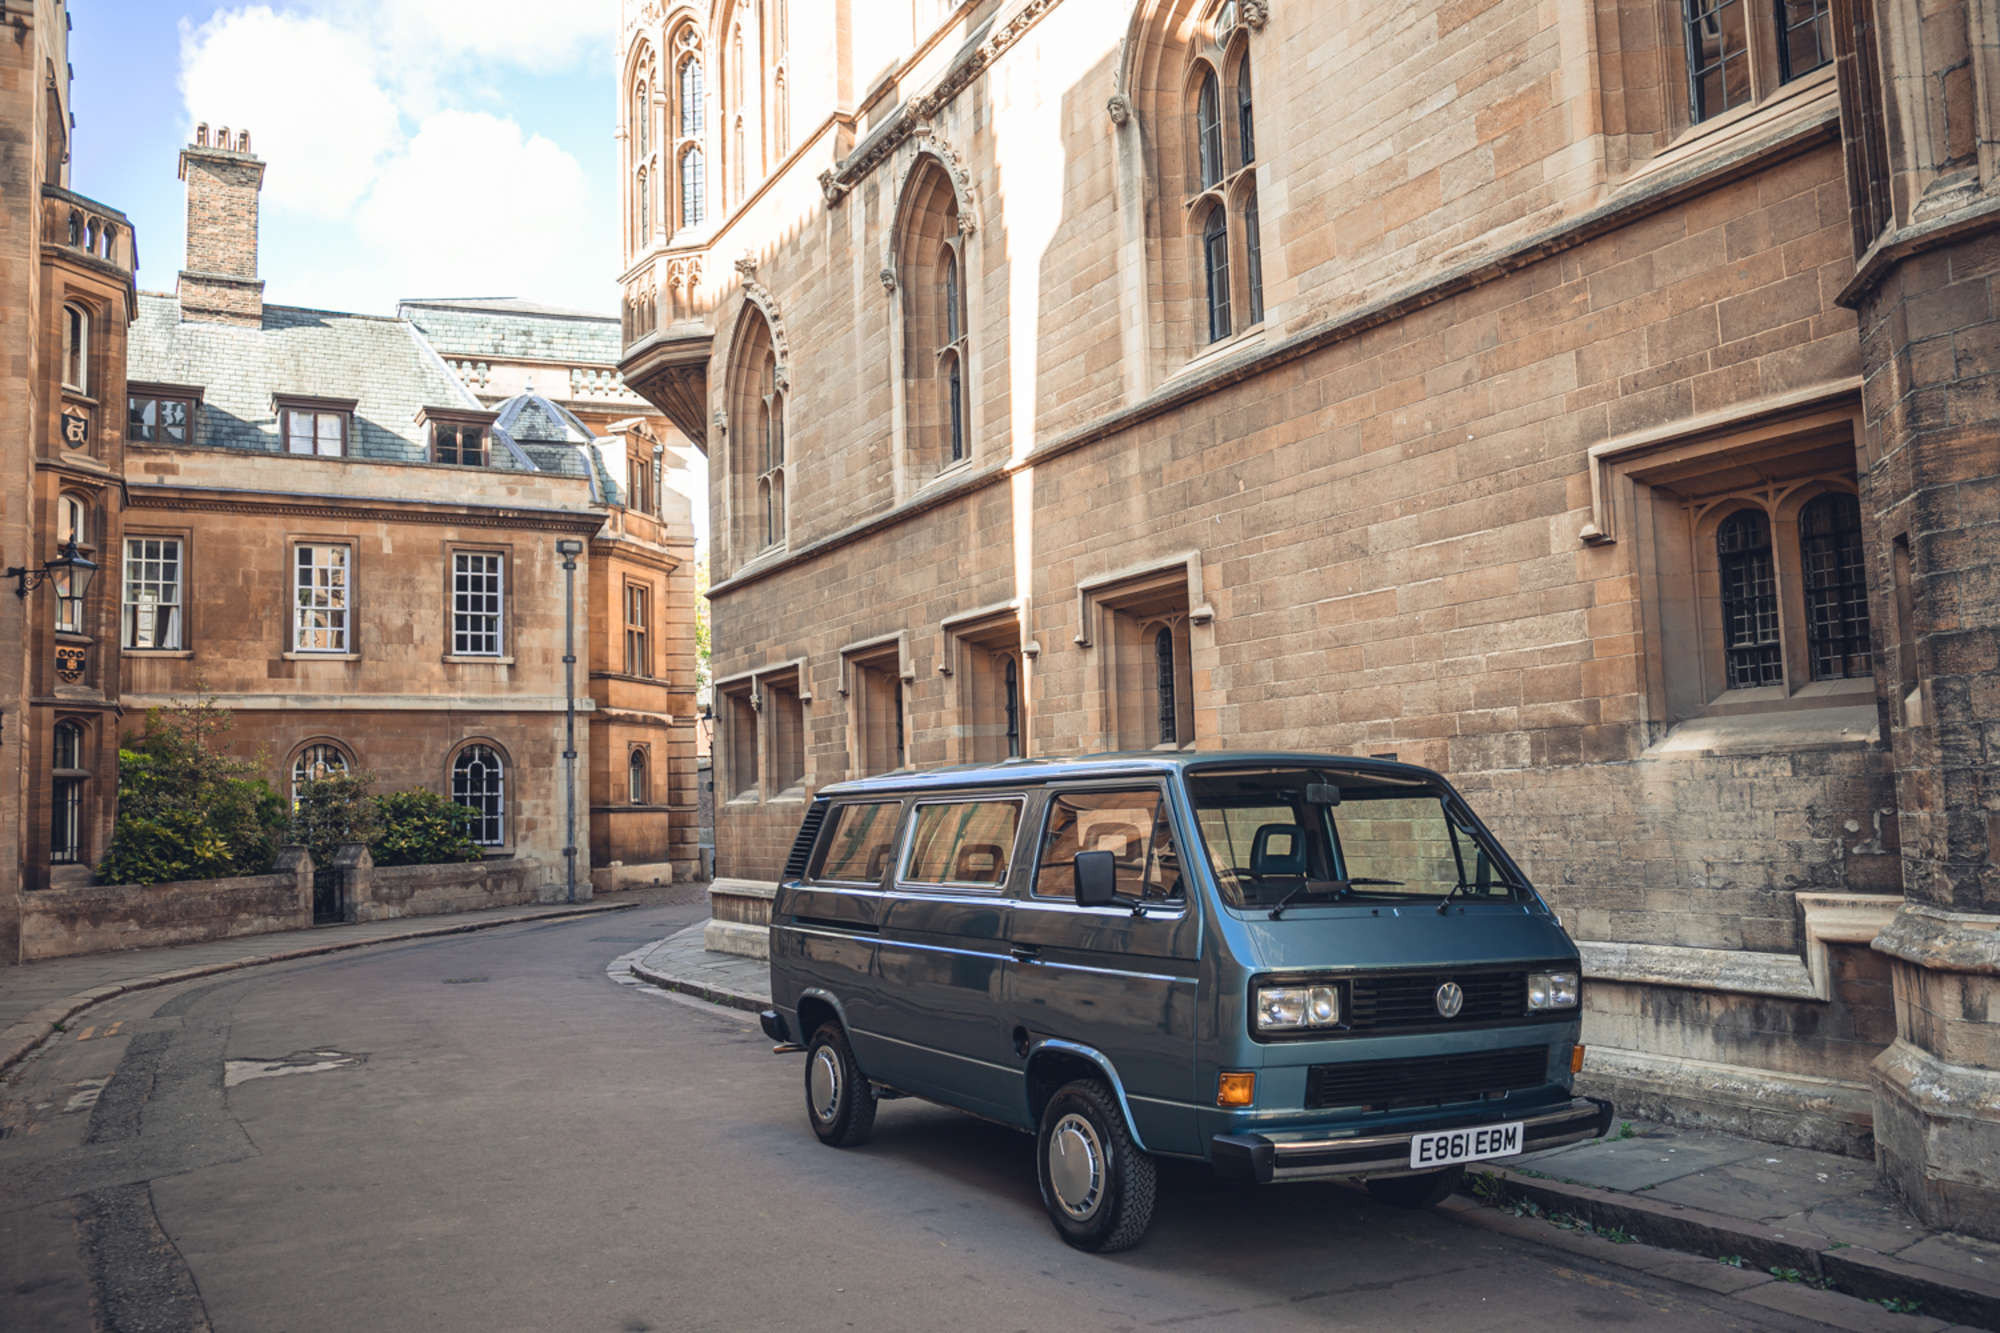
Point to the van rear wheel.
(1097, 1186)
(840, 1102)
(1427, 1190)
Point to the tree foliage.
(401, 828)
(187, 809)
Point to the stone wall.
(103, 918)
(388, 892)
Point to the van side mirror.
(1096, 879)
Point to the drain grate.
(465, 981)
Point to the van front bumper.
(1314, 1155)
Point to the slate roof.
(502, 328)
(383, 363)
(551, 438)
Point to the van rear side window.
(969, 842)
(1131, 825)
(858, 846)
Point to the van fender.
(1097, 1058)
(820, 993)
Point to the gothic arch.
(929, 144)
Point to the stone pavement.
(35, 998)
(1793, 1230)
(679, 963)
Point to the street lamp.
(569, 549)
(69, 560)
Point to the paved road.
(484, 1132)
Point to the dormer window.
(159, 414)
(316, 426)
(458, 438)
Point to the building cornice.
(222, 500)
(915, 114)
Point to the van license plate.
(1444, 1147)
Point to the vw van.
(1291, 967)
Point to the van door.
(1118, 980)
(941, 956)
(826, 939)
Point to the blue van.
(1293, 967)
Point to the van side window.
(1131, 825)
(965, 842)
(858, 846)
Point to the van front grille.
(1437, 1080)
(1390, 1000)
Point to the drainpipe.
(569, 549)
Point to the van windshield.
(1288, 837)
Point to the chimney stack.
(220, 285)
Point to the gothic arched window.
(636, 776)
(1208, 130)
(1830, 556)
(694, 188)
(1215, 269)
(1163, 669)
(951, 357)
(1750, 639)
(318, 760)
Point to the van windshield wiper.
(1340, 887)
(1461, 886)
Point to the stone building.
(66, 297)
(644, 816)
(1591, 400)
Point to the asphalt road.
(484, 1132)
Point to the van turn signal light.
(1576, 1059)
(1236, 1088)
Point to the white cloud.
(475, 206)
(307, 92)
(364, 110)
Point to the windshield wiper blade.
(1341, 888)
(1459, 887)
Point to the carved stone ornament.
(888, 277)
(76, 428)
(747, 265)
(70, 664)
(1256, 13)
(781, 380)
(721, 421)
(831, 188)
(1120, 107)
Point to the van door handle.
(1025, 954)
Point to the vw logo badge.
(1450, 999)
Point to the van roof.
(1031, 772)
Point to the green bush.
(334, 809)
(422, 828)
(186, 810)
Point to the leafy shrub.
(334, 809)
(423, 828)
(186, 810)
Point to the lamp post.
(69, 560)
(569, 549)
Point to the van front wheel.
(1420, 1191)
(1097, 1185)
(840, 1102)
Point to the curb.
(20, 1040)
(722, 995)
(1849, 1269)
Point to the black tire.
(840, 1102)
(1103, 1201)
(1427, 1190)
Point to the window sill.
(1772, 730)
(157, 652)
(1703, 136)
(477, 659)
(294, 656)
(1215, 352)
(744, 799)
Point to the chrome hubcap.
(823, 1083)
(1076, 1166)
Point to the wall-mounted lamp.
(69, 559)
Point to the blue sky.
(416, 147)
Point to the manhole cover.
(465, 981)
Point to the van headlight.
(1297, 1008)
(1551, 990)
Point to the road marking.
(300, 1062)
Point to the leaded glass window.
(1750, 636)
(1215, 263)
(1164, 679)
(477, 603)
(1830, 555)
(151, 604)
